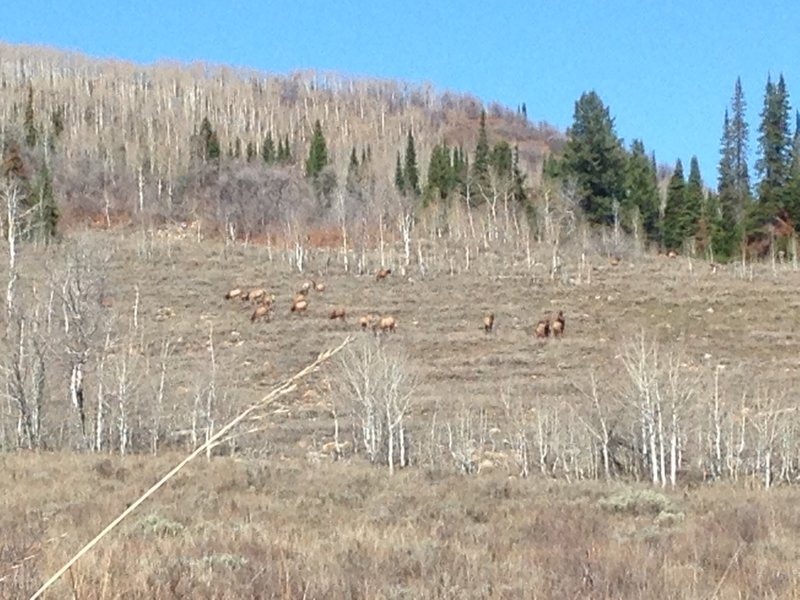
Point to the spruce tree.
(694, 201)
(674, 229)
(268, 149)
(518, 192)
(641, 192)
(30, 124)
(774, 146)
(594, 158)
(739, 147)
(502, 159)
(46, 214)
(410, 170)
(440, 174)
(287, 150)
(209, 142)
(480, 166)
(318, 153)
(250, 151)
(399, 178)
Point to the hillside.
(119, 136)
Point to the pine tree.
(518, 192)
(502, 159)
(694, 201)
(739, 147)
(318, 153)
(46, 214)
(674, 230)
(641, 192)
(774, 145)
(209, 143)
(31, 134)
(480, 166)
(594, 157)
(268, 149)
(399, 179)
(410, 171)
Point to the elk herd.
(263, 304)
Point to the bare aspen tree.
(379, 388)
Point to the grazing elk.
(318, 287)
(488, 323)
(305, 287)
(338, 313)
(542, 329)
(382, 274)
(385, 324)
(557, 324)
(234, 293)
(366, 321)
(255, 295)
(299, 306)
(262, 310)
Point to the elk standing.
(542, 329)
(488, 322)
(558, 324)
(234, 293)
(338, 313)
(385, 324)
(299, 306)
(382, 274)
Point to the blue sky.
(665, 69)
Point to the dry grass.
(282, 520)
(279, 529)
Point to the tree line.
(615, 185)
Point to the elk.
(542, 329)
(557, 325)
(255, 295)
(299, 306)
(366, 320)
(234, 293)
(382, 274)
(305, 287)
(385, 324)
(318, 287)
(262, 310)
(488, 322)
(338, 313)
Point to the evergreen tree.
(694, 201)
(209, 143)
(502, 159)
(641, 192)
(353, 165)
(480, 166)
(237, 148)
(739, 146)
(46, 214)
(268, 150)
(287, 150)
(674, 229)
(318, 153)
(57, 121)
(774, 145)
(594, 157)
(792, 194)
(410, 171)
(440, 174)
(518, 192)
(30, 125)
(399, 178)
(250, 151)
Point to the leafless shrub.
(377, 389)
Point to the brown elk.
(234, 293)
(366, 320)
(488, 322)
(318, 287)
(262, 310)
(299, 306)
(382, 274)
(557, 325)
(542, 329)
(338, 313)
(256, 295)
(385, 324)
(305, 287)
